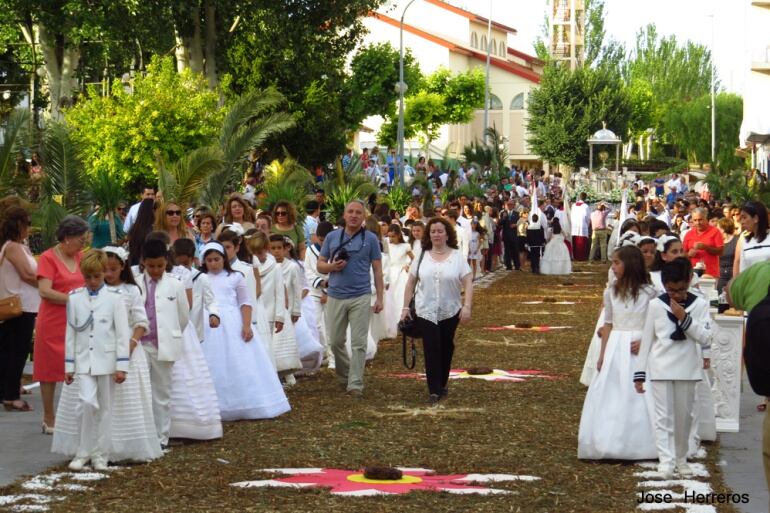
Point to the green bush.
(167, 114)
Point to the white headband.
(663, 240)
(213, 246)
(121, 253)
(236, 228)
(629, 238)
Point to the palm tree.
(63, 189)
(182, 181)
(286, 181)
(249, 123)
(15, 136)
(106, 192)
(344, 186)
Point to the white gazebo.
(604, 137)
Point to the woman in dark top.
(727, 227)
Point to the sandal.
(17, 406)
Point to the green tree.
(300, 47)
(166, 115)
(444, 98)
(569, 106)
(371, 88)
(690, 124)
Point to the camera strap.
(343, 244)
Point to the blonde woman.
(169, 217)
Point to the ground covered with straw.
(526, 427)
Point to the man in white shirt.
(147, 193)
(463, 235)
(313, 210)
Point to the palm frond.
(253, 134)
(188, 175)
(286, 181)
(106, 192)
(245, 109)
(46, 218)
(14, 135)
(64, 179)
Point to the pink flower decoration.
(352, 483)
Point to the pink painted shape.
(337, 481)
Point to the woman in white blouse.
(754, 244)
(443, 274)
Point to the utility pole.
(486, 86)
(401, 90)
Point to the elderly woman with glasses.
(169, 218)
(285, 223)
(58, 274)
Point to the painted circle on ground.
(405, 479)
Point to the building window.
(474, 40)
(494, 102)
(484, 43)
(518, 102)
(494, 47)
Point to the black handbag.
(413, 352)
(408, 326)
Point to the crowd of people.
(198, 316)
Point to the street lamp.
(486, 74)
(401, 86)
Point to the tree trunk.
(195, 44)
(211, 44)
(641, 147)
(111, 220)
(180, 52)
(61, 63)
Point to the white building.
(442, 35)
(755, 129)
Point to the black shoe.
(509, 268)
(444, 392)
(433, 399)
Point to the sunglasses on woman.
(173, 212)
(281, 213)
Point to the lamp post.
(401, 90)
(486, 82)
(713, 93)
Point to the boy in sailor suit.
(168, 313)
(318, 283)
(96, 348)
(677, 322)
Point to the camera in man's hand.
(342, 254)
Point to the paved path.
(25, 450)
(742, 455)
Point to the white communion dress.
(617, 422)
(556, 259)
(398, 274)
(246, 384)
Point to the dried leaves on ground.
(527, 427)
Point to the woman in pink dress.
(58, 273)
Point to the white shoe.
(290, 380)
(684, 469)
(100, 464)
(666, 470)
(77, 464)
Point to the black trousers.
(511, 253)
(15, 342)
(535, 252)
(438, 344)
